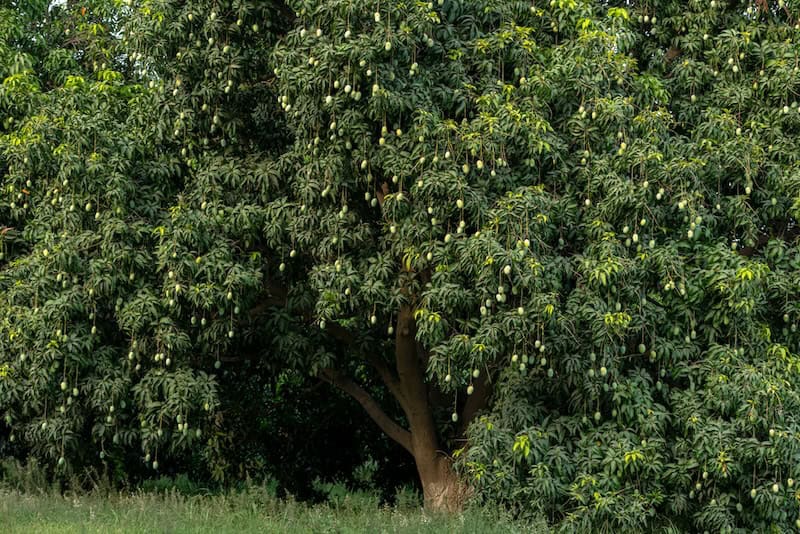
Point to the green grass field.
(253, 510)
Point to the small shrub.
(339, 497)
(30, 477)
(407, 498)
(364, 474)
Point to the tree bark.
(443, 490)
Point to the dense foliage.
(673, 390)
(577, 218)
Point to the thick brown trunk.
(443, 491)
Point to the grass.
(255, 509)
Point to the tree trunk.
(442, 489)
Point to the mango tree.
(580, 211)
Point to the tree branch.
(474, 404)
(389, 427)
(388, 378)
(406, 356)
(382, 192)
(276, 297)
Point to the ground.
(252, 510)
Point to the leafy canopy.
(592, 206)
